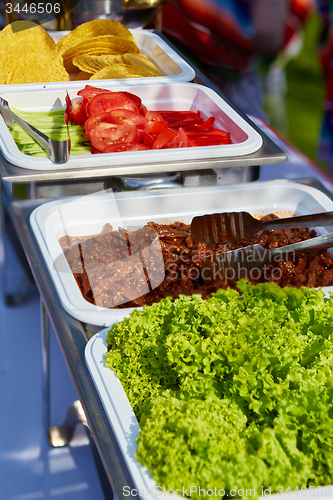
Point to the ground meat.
(117, 269)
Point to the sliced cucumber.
(52, 124)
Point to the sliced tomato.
(181, 140)
(178, 119)
(95, 151)
(104, 134)
(147, 139)
(107, 101)
(92, 121)
(208, 141)
(155, 123)
(165, 136)
(68, 111)
(79, 113)
(213, 137)
(89, 91)
(136, 100)
(125, 146)
(117, 116)
(214, 134)
(144, 110)
(122, 116)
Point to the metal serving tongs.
(234, 226)
(58, 151)
(239, 263)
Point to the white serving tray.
(171, 64)
(119, 413)
(174, 96)
(82, 216)
(126, 427)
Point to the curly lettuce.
(233, 393)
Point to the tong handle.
(325, 219)
(58, 151)
(36, 134)
(317, 243)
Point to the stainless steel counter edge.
(268, 154)
(72, 339)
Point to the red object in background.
(213, 36)
(302, 9)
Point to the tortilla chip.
(92, 29)
(120, 71)
(143, 61)
(28, 54)
(92, 64)
(82, 75)
(105, 44)
(40, 69)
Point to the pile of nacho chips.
(28, 54)
(97, 49)
(104, 48)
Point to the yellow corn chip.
(34, 69)
(143, 61)
(120, 71)
(92, 64)
(28, 54)
(92, 29)
(82, 75)
(105, 44)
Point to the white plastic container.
(87, 215)
(176, 96)
(119, 413)
(171, 64)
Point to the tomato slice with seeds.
(181, 140)
(125, 146)
(165, 136)
(89, 92)
(107, 101)
(155, 123)
(136, 100)
(147, 139)
(117, 116)
(122, 116)
(92, 121)
(79, 113)
(104, 134)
